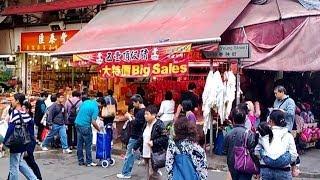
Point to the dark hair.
(280, 89)
(59, 95)
(110, 92)
(185, 129)
(192, 86)
(53, 98)
(137, 98)
(44, 94)
(277, 116)
(264, 129)
(28, 107)
(76, 94)
(102, 101)
(187, 105)
(168, 95)
(130, 107)
(99, 94)
(20, 98)
(238, 115)
(152, 109)
(243, 107)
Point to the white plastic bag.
(3, 128)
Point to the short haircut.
(187, 105)
(110, 92)
(185, 129)
(168, 95)
(137, 98)
(102, 101)
(59, 95)
(152, 109)
(76, 94)
(192, 86)
(280, 89)
(238, 115)
(99, 94)
(20, 98)
(53, 98)
(244, 107)
(44, 94)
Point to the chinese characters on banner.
(45, 41)
(139, 62)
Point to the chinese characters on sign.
(44, 41)
(137, 62)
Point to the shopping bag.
(44, 134)
(103, 146)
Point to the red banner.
(139, 62)
(45, 41)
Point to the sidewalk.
(309, 162)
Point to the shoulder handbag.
(20, 136)
(242, 159)
(158, 159)
(109, 110)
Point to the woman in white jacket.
(276, 149)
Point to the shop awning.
(299, 51)
(272, 11)
(156, 23)
(50, 6)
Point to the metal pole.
(72, 77)
(238, 83)
(211, 136)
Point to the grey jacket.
(236, 138)
(57, 114)
(289, 106)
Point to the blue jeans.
(271, 174)
(17, 163)
(84, 136)
(129, 159)
(57, 129)
(282, 161)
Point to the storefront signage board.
(44, 41)
(139, 62)
(235, 51)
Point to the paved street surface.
(65, 167)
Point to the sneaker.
(81, 164)
(67, 151)
(44, 148)
(92, 165)
(121, 176)
(1, 155)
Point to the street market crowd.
(162, 137)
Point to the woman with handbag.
(154, 141)
(239, 145)
(19, 134)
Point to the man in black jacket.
(56, 121)
(138, 123)
(39, 111)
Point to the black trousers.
(72, 135)
(40, 130)
(32, 162)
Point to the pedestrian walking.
(72, 107)
(154, 142)
(185, 158)
(28, 156)
(187, 110)
(39, 111)
(239, 136)
(276, 148)
(87, 115)
(56, 121)
(20, 121)
(138, 123)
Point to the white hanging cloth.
(229, 94)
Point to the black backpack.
(126, 132)
(73, 110)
